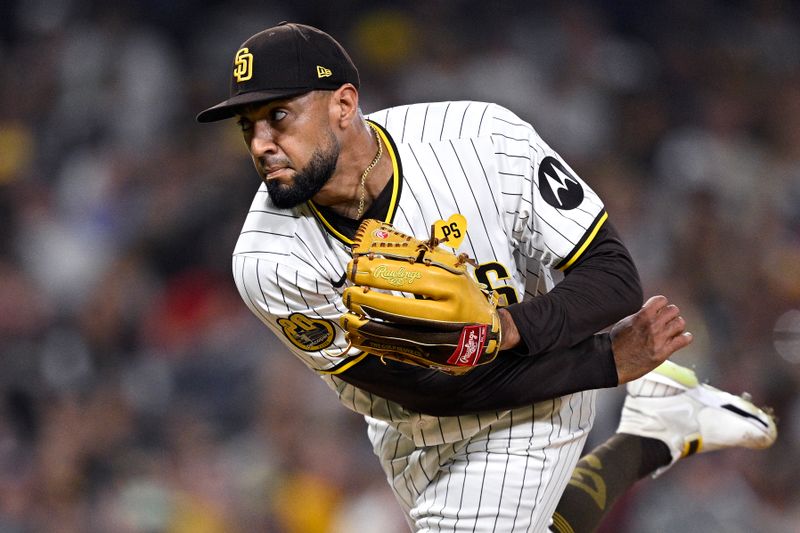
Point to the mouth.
(271, 174)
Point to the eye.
(244, 124)
(278, 115)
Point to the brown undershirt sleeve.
(600, 289)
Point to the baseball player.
(481, 180)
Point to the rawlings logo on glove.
(397, 277)
(443, 320)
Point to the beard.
(308, 180)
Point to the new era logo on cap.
(323, 72)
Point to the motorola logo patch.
(558, 186)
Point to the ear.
(344, 105)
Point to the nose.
(263, 141)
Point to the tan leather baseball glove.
(414, 301)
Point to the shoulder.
(267, 230)
(283, 236)
(442, 121)
(288, 248)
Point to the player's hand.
(646, 339)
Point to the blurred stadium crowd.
(140, 396)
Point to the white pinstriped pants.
(506, 478)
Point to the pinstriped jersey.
(526, 216)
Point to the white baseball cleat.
(671, 405)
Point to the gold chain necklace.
(367, 171)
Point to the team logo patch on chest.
(308, 334)
(558, 186)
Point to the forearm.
(555, 349)
(507, 383)
(636, 345)
(599, 290)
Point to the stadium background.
(139, 394)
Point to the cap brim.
(229, 107)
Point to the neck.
(343, 192)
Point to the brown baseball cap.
(286, 60)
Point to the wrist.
(510, 334)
